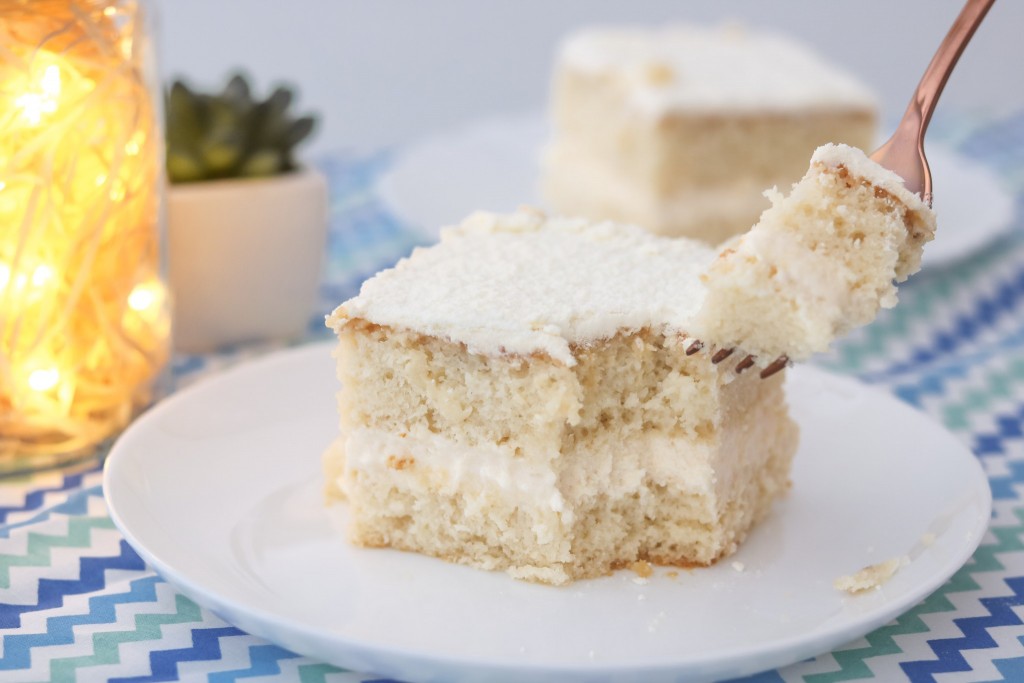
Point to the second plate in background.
(493, 165)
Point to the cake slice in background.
(519, 397)
(821, 261)
(680, 129)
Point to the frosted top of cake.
(522, 283)
(859, 165)
(705, 68)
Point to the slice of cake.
(681, 129)
(519, 397)
(821, 260)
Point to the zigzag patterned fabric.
(77, 603)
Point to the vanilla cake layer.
(648, 122)
(519, 397)
(821, 261)
(550, 472)
(710, 213)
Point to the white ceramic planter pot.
(244, 258)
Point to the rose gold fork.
(903, 153)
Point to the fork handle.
(922, 104)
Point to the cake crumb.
(640, 581)
(672, 575)
(642, 568)
(928, 539)
(400, 463)
(739, 566)
(871, 577)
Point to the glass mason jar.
(84, 316)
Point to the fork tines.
(747, 362)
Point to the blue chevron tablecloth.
(77, 603)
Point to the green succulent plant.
(231, 134)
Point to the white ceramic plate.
(218, 488)
(493, 165)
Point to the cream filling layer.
(689, 466)
(454, 465)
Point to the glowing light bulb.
(143, 296)
(44, 99)
(50, 82)
(134, 145)
(43, 379)
(41, 275)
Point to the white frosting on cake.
(729, 67)
(859, 165)
(523, 283)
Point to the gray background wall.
(386, 71)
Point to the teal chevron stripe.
(1008, 539)
(39, 545)
(998, 383)
(263, 662)
(205, 647)
(75, 505)
(317, 673)
(106, 645)
(18, 647)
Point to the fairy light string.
(84, 316)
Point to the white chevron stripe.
(1003, 516)
(18, 593)
(825, 663)
(234, 652)
(888, 668)
(63, 563)
(134, 656)
(116, 581)
(50, 500)
(14, 492)
(941, 625)
(981, 661)
(95, 507)
(290, 672)
(15, 544)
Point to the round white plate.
(218, 488)
(493, 165)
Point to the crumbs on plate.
(870, 577)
